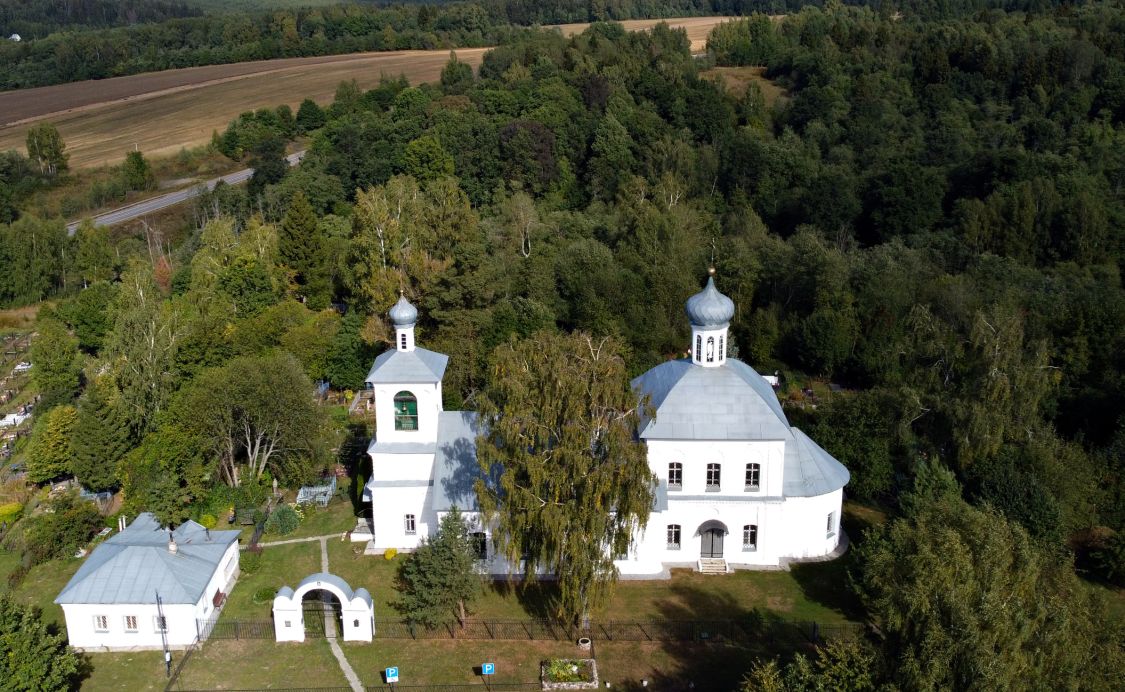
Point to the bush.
(10, 512)
(283, 520)
(389, 554)
(264, 595)
(16, 577)
(208, 521)
(251, 560)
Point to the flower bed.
(569, 674)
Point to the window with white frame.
(698, 348)
(101, 623)
(831, 524)
(750, 537)
(675, 475)
(714, 477)
(710, 349)
(159, 623)
(130, 623)
(722, 349)
(673, 536)
(409, 525)
(753, 476)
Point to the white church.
(739, 487)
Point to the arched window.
(750, 537)
(673, 536)
(710, 349)
(675, 475)
(698, 348)
(406, 411)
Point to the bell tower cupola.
(404, 316)
(710, 313)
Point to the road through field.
(101, 120)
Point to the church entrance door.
(712, 543)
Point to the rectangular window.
(831, 524)
(403, 341)
(675, 476)
(130, 623)
(750, 537)
(101, 623)
(159, 623)
(480, 544)
(673, 536)
(753, 476)
(409, 525)
(713, 477)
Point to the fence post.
(815, 632)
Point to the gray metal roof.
(709, 308)
(134, 565)
(809, 470)
(400, 447)
(455, 464)
(408, 367)
(728, 402)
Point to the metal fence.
(748, 631)
(453, 687)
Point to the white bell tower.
(710, 313)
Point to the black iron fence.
(747, 631)
(454, 687)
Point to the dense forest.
(929, 215)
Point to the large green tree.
(300, 249)
(48, 452)
(54, 360)
(437, 582)
(45, 146)
(100, 439)
(567, 484)
(33, 656)
(166, 474)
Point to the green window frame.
(406, 411)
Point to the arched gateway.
(357, 612)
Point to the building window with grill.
(710, 349)
(673, 536)
(722, 349)
(750, 537)
(406, 411)
(675, 476)
(480, 545)
(831, 524)
(698, 348)
(753, 476)
(101, 623)
(409, 525)
(402, 341)
(159, 623)
(130, 623)
(713, 477)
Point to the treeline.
(34, 19)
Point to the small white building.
(111, 602)
(739, 487)
(15, 37)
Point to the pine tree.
(574, 484)
(101, 439)
(437, 582)
(301, 249)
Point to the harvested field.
(161, 112)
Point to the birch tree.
(568, 484)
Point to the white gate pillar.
(358, 617)
(288, 617)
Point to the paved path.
(309, 539)
(330, 626)
(155, 204)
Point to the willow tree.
(567, 483)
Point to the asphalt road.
(155, 204)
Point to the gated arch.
(356, 608)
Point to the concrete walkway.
(330, 626)
(309, 539)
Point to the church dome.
(403, 314)
(709, 308)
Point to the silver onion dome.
(709, 308)
(403, 314)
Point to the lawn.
(42, 585)
(137, 670)
(260, 664)
(282, 565)
(452, 662)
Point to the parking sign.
(488, 669)
(392, 674)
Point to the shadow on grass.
(537, 598)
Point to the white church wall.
(733, 456)
(401, 467)
(807, 519)
(389, 507)
(429, 404)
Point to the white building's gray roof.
(455, 465)
(809, 470)
(408, 367)
(134, 565)
(691, 402)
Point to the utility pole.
(163, 625)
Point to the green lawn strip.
(336, 518)
(42, 585)
(8, 564)
(431, 662)
(261, 664)
(138, 670)
(673, 665)
(282, 565)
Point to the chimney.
(172, 547)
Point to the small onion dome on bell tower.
(404, 316)
(710, 313)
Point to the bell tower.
(710, 313)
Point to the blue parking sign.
(488, 669)
(392, 674)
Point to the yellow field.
(159, 113)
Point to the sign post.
(391, 675)
(487, 670)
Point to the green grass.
(137, 670)
(8, 564)
(334, 519)
(42, 585)
(282, 565)
(261, 664)
(452, 662)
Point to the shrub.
(283, 520)
(264, 595)
(389, 554)
(16, 577)
(208, 521)
(10, 512)
(251, 560)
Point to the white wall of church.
(733, 456)
(389, 508)
(402, 467)
(429, 404)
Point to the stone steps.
(709, 565)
